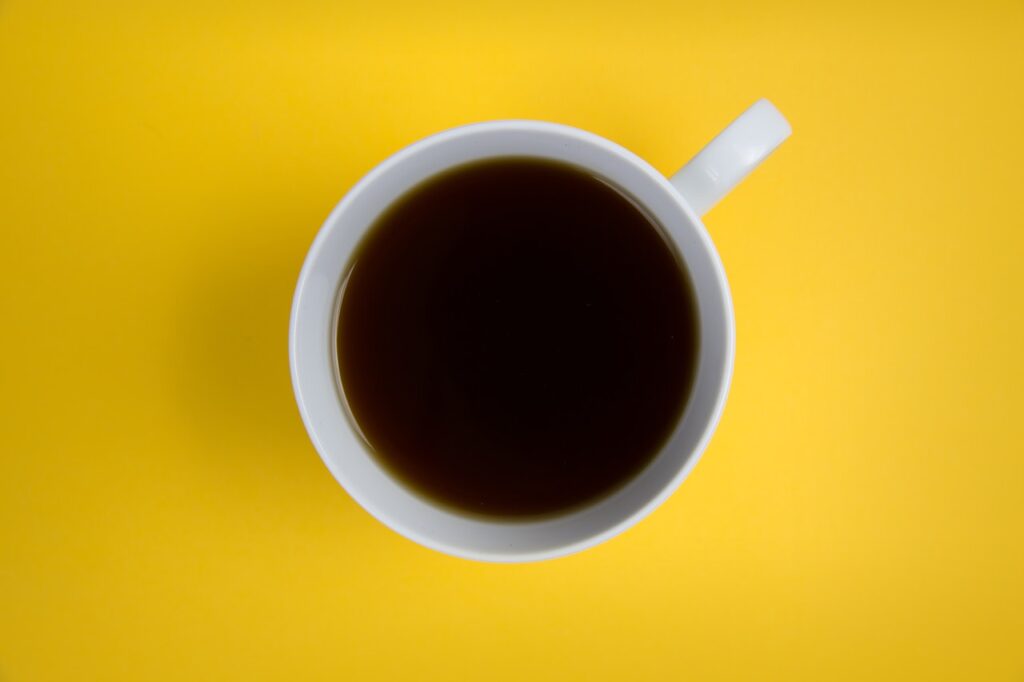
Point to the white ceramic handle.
(730, 157)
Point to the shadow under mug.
(676, 204)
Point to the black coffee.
(516, 338)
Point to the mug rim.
(378, 510)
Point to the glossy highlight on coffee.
(516, 338)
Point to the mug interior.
(319, 395)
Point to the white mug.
(676, 203)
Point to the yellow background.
(163, 169)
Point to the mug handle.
(730, 157)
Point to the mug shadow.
(231, 378)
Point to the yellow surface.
(163, 169)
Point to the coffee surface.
(516, 338)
